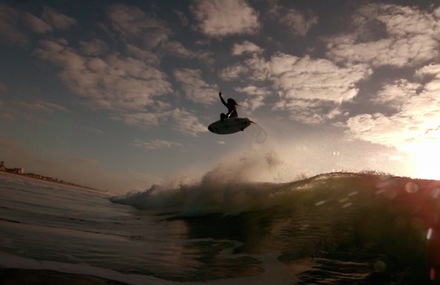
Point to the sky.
(118, 95)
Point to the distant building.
(16, 170)
(2, 166)
(10, 170)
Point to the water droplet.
(380, 266)
(380, 191)
(411, 187)
(435, 192)
(429, 234)
(432, 273)
(343, 200)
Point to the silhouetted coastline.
(21, 172)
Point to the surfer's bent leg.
(223, 116)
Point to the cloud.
(380, 129)
(94, 47)
(194, 87)
(256, 96)
(246, 47)
(312, 89)
(130, 86)
(139, 118)
(414, 122)
(307, 78)
(57, 19)
(403, 37)
(9, 30)
(156, 144)
(225, 17)
(182, 17)
(42, 106)
(233, 72)
(298, 22)
(5, 112)
(133, 24)
(387, 34)
(258, 67)
(26, 110)
(428, 70)
(187, 123)
(36, 24)
(142, 54)
(396, 94)
(310, 112)
(177, 49)
(3, 88)
(171, 48)
(113, 82)
(15, 24)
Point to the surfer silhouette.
(230, 104)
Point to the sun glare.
(426, 159)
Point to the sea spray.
(235, 185)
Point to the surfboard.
(229, 126)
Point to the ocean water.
(336, 228)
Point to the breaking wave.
(350, 226)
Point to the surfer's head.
(232, 102)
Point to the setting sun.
(426, 157)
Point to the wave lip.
(232, 198)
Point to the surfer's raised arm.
(230, 104)
(221, 98)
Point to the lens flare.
(426, 159)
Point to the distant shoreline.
(49, 179)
